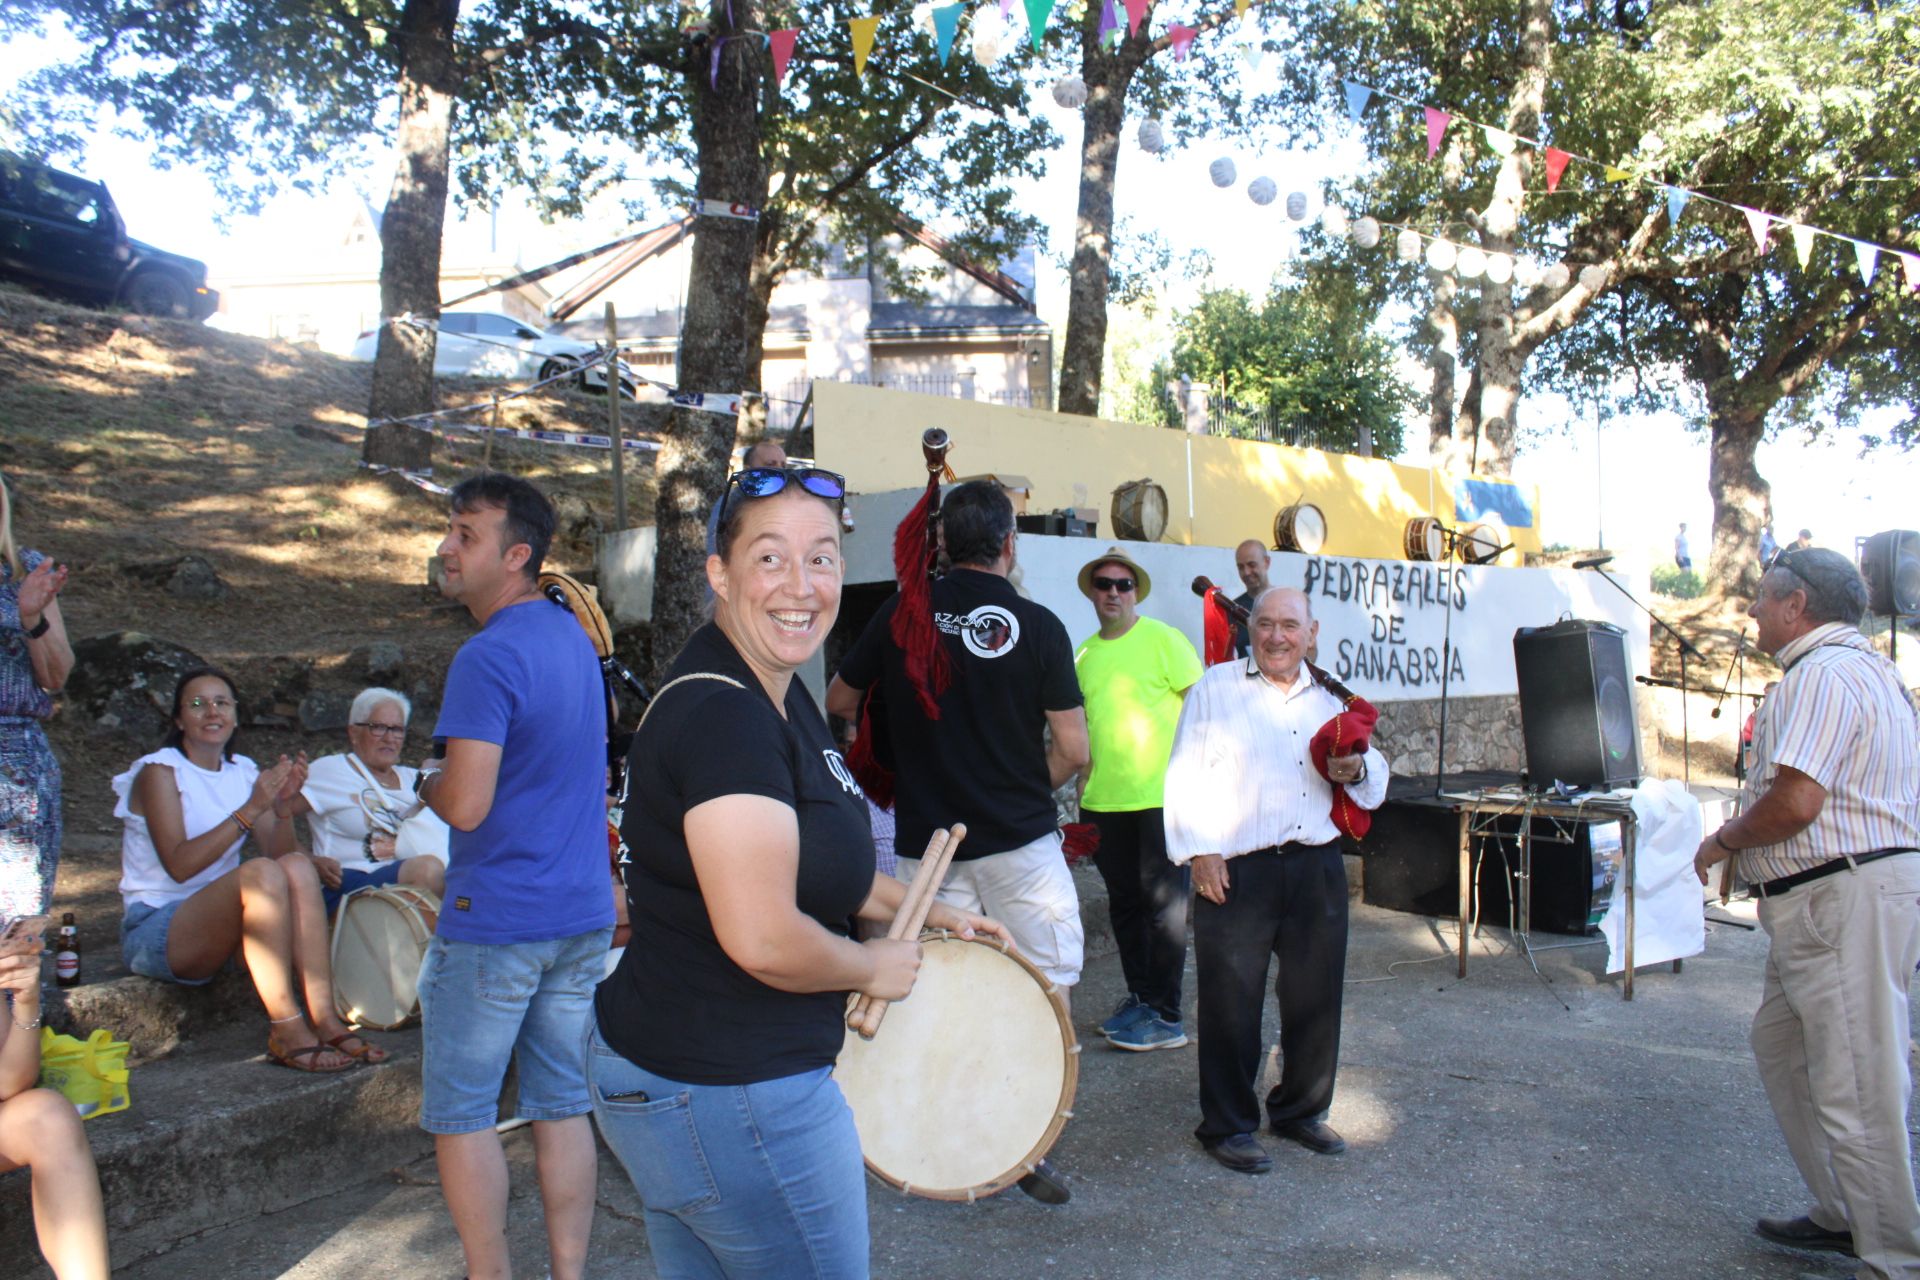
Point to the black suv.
(62, 234)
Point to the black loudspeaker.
(1576, 705)
(1890, 562)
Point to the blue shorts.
(483, 1005)
(143, 942)
(351, 880)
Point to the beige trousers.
(1831, 1041)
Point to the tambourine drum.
(1425, 539)
(1481, 543)
(380, 937)
(1139, 511)
(969, 1080)
(1300, 527)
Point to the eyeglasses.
(764, 482)
(218, 704)
(1122, 585)
(381, 730)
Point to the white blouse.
(348, 802)
(208, 797)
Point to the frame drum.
(1425, 539)
(379, 940)
(1300, 527)
(1139, 511)
(1481, 543)
(969, 1080)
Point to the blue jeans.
(746, 1182)
(143, 942)
(484, 1004)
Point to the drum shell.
(380, 937)
(1301, 527)
(969, 1080)
(1139, 511)
(1480, 543)
(1422, 535)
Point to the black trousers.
(1147, 897)
(1290, 903)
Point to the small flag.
(863, 29)
(1757, 223)
(1615, 175)
(1867, 256)
(1240, 7)
(1109, 23)
(1556, 165)
(1358, 96)
(1437, 121)
(946, 21)
(1136, 10)
(1910, 264)
(1676, 204)
(1803, 243)
(1501, 142)
(1038, 11)
(780, 44)
(1182, 40)
(1251, 52)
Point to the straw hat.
(1115, 555)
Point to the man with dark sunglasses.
(1829, 838)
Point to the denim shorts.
(753, 1182)
(350, 880)
(483, 1005)
(143, 942)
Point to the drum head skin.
(379, 940)
(1300, 527)
(969, 1080)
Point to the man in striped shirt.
(1246, 807)
(1830, 840)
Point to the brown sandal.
(304, 1059)
(365, 1053)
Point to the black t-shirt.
(1242, 644)
(677, 1005)
(984, 762)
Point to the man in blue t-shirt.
(526, 922)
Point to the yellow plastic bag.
(92, 1073)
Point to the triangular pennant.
(1677, 198)
(1006, 8)
(1240, 7)
(1556, 165)
(1436, 129)
(1615, 175)
(1758, 223)
(863, 29)
(1182, 39)
(1910, 264)
(946, 21)
(1358, 96)
(1109, 23)
(1499, 140)
(1038, 11)
(1251, 54)
(780, 44)
(1136, 10)
(1802, 243)
(1866, 256)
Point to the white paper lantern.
(1556, 277)
(1297, 205)
(1153, 138)
(1526, 272)
(1499, 268)
(1471, 263)
(1366, 232)
(1406, 246)
(923, 16)
(1333, 220)
(988, 39)
(1593, 277)
(1222, 172)
(1262, 191)
(1070, 92)
(1442, 255)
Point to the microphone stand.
(1686, 647)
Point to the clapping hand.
(295, 780)
(38, 589)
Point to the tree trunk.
(410, 230)
(761, 279)
(1741, 496)
(1441, 443)
(1083, 349)
(691, 466)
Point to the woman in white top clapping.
(191, 902)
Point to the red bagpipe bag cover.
(1346, 734)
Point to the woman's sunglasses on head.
(764, 482)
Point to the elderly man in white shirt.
(1246, 807)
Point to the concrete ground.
(1505, 1125)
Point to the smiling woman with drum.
(711, 1062)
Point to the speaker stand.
(1686, 647)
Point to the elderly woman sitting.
(368, 828)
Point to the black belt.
(1769, 888)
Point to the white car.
(489, 344)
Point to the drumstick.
(930, 869)
(941, 859)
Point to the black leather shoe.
(1804, 1233)
(1045, 1184)
(1241, 1153)
(1315, 1135)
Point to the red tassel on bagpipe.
(874, 778)
(928, 668)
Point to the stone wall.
(1482, 733)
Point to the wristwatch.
(40, 628)
(420, 781)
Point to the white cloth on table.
(1669, 915)
(208, 797)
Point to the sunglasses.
(1122, 585)
(764, 482)
(1783, 559)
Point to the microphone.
(1203, 586)
(1594, 563)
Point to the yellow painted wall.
(1238, 486)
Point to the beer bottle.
(66, 953)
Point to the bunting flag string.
(1182, 37)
